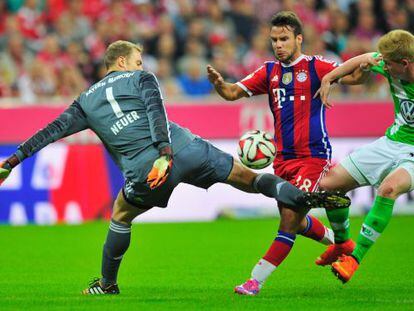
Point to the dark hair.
(287, 18)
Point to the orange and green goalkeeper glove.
(160, 169)
(7, 166)
(5, 170)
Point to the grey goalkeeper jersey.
(125, 109)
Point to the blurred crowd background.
(50, 50)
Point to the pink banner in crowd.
(219, 120)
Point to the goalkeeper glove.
(5, 170)
(7, 166)
(161, 168)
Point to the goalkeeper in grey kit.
(125, 109)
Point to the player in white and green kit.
(387, 163)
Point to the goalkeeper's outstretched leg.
(281, 190)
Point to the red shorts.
(303, 173)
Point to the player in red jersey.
(304, 151)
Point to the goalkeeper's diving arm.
(71, 121)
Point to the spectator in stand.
(166, 47)
(166, 78)
(95, 44)
(166, 43)
(358, 7)
(193, 49)
(410, 15)
(389, 9)
(181, 12)
(265, 9)
(31, 20)
(80, 59)
(94, 9)
(314, 45)
(14, 5)
(226, 61)
(196, 30)
(64, 30)
(11, 28)
(119, 13)
(337, 36)
(51, 54)
(71, 82)
(258, 54)
(399, 20)
(227, 33)
(145, 20)
(219, 27)
(307, 12)
(81, 25)
(96, 41)
(3, 17)
(55, 8)
(366, 31)
(242, 15)
(38, 85)
(193, 80)
(14, 62)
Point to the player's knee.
(125, 212)
(326, 184)
(388, 190)
(241, 174)
(127, 215)
(123, 217)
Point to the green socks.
(374, 224)
(339, 219)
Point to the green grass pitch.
(194, 266)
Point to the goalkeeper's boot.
(334, 251)
(96, 288)
(251, 287)
(345, 267)
(326, 199)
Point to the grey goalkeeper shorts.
(199, 163)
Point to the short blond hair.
(117, 49)
(397, 45)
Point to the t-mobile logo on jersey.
(280, 97)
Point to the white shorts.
(370, 164)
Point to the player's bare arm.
(228, 91)
(358, 76)
(352, 72)
(351, 65)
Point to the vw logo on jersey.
(301, 76)
(407, 111)
(287, 78)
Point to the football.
(256, 149)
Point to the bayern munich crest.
(301, 76)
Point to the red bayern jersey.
(299, 119)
